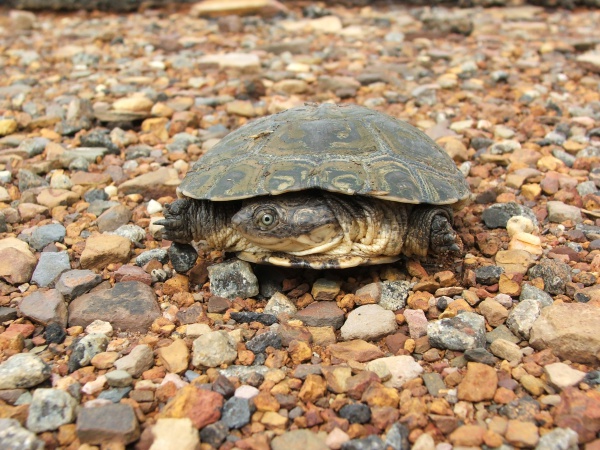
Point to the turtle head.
(177, 221)
(299, 224)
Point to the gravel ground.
(108, 338)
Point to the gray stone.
(465, 331)
(497, 215)
(34, 146)
(556, 274)
(213, 349)
(299, 439)
(74, 283)
(522, 316)
(159, 254)
(237, 412)
(119, 378)
(108, 423)
(368, 322)
(260, 342)
(559, 439)
(233, 279)
(280, 304)
(214, 434)
(140, 359)
(49, 409)
(85, 349)
(488, 275)
(530, 292)
(559, 212)
(14, 437)
(433, 382)
(394, 294)
(501, 332)
(372, 442)
(506, 350)
(128, 306)
(23, 370)
(132, 232)
(113, 218)
(397, 437)
(47, 234)
(49, 267)
(183, 256)
(45, 307)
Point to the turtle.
(321, 186)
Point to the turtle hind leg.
(430, 231)
(176, 223)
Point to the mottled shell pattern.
(346, 149)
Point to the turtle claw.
(174, 223)
(443, 238)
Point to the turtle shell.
(346, 149)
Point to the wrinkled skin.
(314, 229)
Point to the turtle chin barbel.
(321, 186)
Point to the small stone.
(156, 184)
(85, 349)
(402, 369)
(522, 316)
(488, 275)
(556, 275)
(183, 256)
(299, 440)
(160, 254)
(506, 350)
(140, 359)
(23, 370)
(468, 436)
(355, 350)
(102, 250)
(129, 305)
(47, 234)
(107, 424)
(74, 283)
(15, 437)
(177, 434)
(478, 384)
(417, 322)
(44, 307)
(530, 292)
(558, 439)
(495, 314)
(522, 434)
(367, 443)
(214, 434)
(233, 279)
(237, 412)
(174, 357)
(260, 342)
(213, 349)
(280, 304)
(321, 314)
(480, 355)
(559, 212)
(49, 267)
(368, 322)
(465, 331)
(118, 378)
(17, 263)
(251, 316)
(49, 409)
(202, 406)
(313, 388)
(498, 215)
(561, 376)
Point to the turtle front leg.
(177, 221)
(430, 231)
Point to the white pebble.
(100, 326)
(153, 207)
(111, 191)
(246, 391)
(519, 224)
(5, 176)
(92, 387)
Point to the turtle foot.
(176, 227)
(443, 238)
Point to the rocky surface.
(110, 337)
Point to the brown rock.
(522, 434)
(322, 336)
(130, 272)
(479, 383)
(44, 307)
(216, 8)
(579, 411)
(321, 314)
(468, 436)
(570, 330)
(102, 250)
(313, 388)
(17, 263)
(175, 357)
(299, 352)
(264, 401)
(356, 350)
(51, 198)
(202, 406)
(379, 395)
(160, 183)
(494, 312)
(358, 384)
(130, 305)
(116, 423)
(337, 378)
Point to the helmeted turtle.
(321, 186)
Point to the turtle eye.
(266, 218)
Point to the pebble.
(402, 369)
(85, 349)
(119, 378)
(233, 279)
(498, 215)
(478, 384)
(132, 232)
(488, 275)
(300, 440)
(558, 439)
(202, 406)
(23, 370)
(174, 357)
(129, 305)
(16, 263)
(394, 294)
(160, 254)
(47, 234)
(112, 423)
(506, 350)
(45, 307)
(182, 256)
(280, 304)
(570, 330)
(417, 322)
(49, 267)
(260, 342)
(372, 442)
(251, 316)
(213, 349)
(175, 433)
(102, 250)
(321, 314)
(530, 292)
(368, 322)
(522, 316)
(237, 412)
(49, 409)
(73, 283)
(555, 274)
(214, 434)
(140, 359)
(559, 212)
(14, 436)
(465, 331)
(561, 376)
